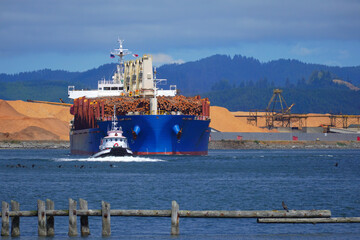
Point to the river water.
(223, 180)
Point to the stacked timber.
(124, 105)
(87, 111)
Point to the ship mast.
(114, 122)
(121, 53)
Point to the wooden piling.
(41, 218)
(72, 218)
(174, 218)
(4, 219)
(50, 220)
(84, 221)
(105, 213)
(15, 221)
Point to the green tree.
(223, 84)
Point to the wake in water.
(110, 159)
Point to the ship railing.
(46, 216)
(159, 112)
(200, 117)
(105, 82)
(106, 118)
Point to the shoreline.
(15, 144)
(213, 145)
(256, 144)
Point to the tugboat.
(114, 144)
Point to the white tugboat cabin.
(114, 144)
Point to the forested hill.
(238, 83)
(87, 78)
(31, 85)
(200, 76)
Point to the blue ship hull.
(149, 134)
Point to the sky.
(77, 35)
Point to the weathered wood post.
(72, 218)
(15, 221)
(105, 213)
(50, 220)
(174, 218)
(84, 220)
(4, 219)
(41, 218)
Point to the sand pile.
(224, 121)
(33, 121)
(41, 110)
(317, 120)
(8, 112)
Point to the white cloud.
(344, 54)
(161, 59)
(303, 51)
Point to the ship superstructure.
(131, 78)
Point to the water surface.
(223, 180)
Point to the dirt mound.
(41, 110)
(33, 121)
(32, 132)
(7, 111)
(224, 121)
(56, 126)
(317, 120)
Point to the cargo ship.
(154, 120)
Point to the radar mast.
(121, 53)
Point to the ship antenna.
(121, 53)
(114, 123)
(155, 93)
